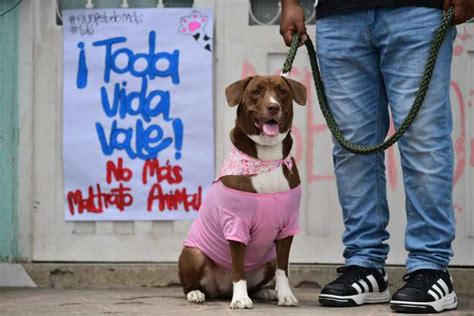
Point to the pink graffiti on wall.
(460, 140)
(462, 38)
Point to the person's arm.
(463, 10)
(292, 20)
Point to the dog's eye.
(256, 92)
(280, 89)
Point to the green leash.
(420, 96)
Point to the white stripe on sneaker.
(444, 286)
(357, 287)
(375, 285)
(364, 284)
(435, 296)
(437, 289)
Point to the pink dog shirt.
(254, 219)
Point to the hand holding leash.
(292, 21)
(463, 10)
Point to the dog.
(241, 240)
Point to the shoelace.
(421, 279)
(350, 274)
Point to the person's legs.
(356, 95)
(404, 36)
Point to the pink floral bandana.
(238, 163)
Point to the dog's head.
(265, 106)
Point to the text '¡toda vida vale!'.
(138, 124)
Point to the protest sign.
(138, 121)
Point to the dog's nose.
(273, 108)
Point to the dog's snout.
(273, 108)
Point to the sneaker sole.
(450, 301)
(354, 300)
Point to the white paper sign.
(138, 122)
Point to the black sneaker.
(425, 291)
(355, 286)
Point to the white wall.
(239, 50)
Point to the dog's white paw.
(241, 302)
(266, 295)
(240, 297)
(196, 296)
(284, 293)
(287, 300)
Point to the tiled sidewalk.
(168, 301)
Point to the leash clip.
(285, 74)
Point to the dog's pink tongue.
(271, 129)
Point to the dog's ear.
(235, 91)
(299, 91)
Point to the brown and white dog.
(262, 131)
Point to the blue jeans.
(371, 60)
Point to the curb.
(137, 275)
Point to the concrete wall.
(240, 50)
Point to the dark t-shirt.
(327, 7)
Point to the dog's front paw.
(287, 300)
(196, 296)
(284, 293)
(240, 297)
(241, 302)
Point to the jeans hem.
(365, 263)
(425, 265)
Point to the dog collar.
(241, 164)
